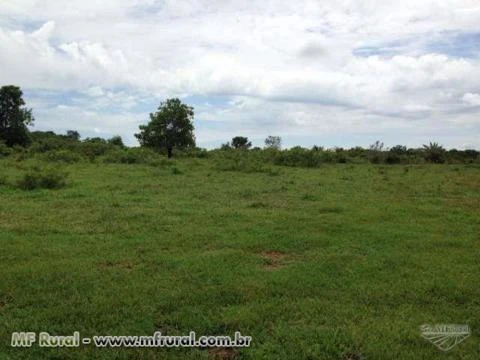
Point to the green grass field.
(340, 262)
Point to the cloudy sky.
(326, 72)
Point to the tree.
(398, 150)
(14, 118)
(95, 140)
(377, 146)
(273, 142)
(470, 153)
(240, 142)
(171, 126)
(117, 141)
(375, 152)
(434, 153)
(73, 134)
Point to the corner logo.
(445, 336)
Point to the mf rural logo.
(445, 336)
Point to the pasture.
(341, 262)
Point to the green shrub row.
(38, 178)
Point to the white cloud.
(294, 63)
(94, 91)
(472, 99)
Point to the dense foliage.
(70, 149)
(14, 118)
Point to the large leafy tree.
(14, 118)
(171, 126)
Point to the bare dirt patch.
(273, 260)
(124, 264)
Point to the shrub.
(176, 171)
(4, 150)
(243, 164)
(298, 156)
(92, 148)
(66, 156)
(376, 154)
(116, 141)
(53, 179)
(29, 181)
(134, 156)
(121, 157)
(193, 152)
(392, 158)
(341, 158)
(459, 156)
(44, 141)
(37, 178)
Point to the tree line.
(170, 129)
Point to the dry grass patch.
(273, 260)
(124, 264)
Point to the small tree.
(171, 126)
(375, 152)
(14, 118)
(73, 134)
(240, 142)
(117, 141)
(273, 142)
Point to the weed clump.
(4, 150)
(176, 171)
(37, 178)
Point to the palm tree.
(434, 153)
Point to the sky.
(326, 72)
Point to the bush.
(37, 178)
(66, 156)
(298, 156)
(392, 158)
(92, 148)
(4, 150)
(376, 155)
(193, 152)
(44, 141)
(134, 156)
(116, 141)
(176, 171)
(122, 157)
(242, 162)
(53, 179)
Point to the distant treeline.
(69, 148)
(170, 131)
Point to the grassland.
(339, 262)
